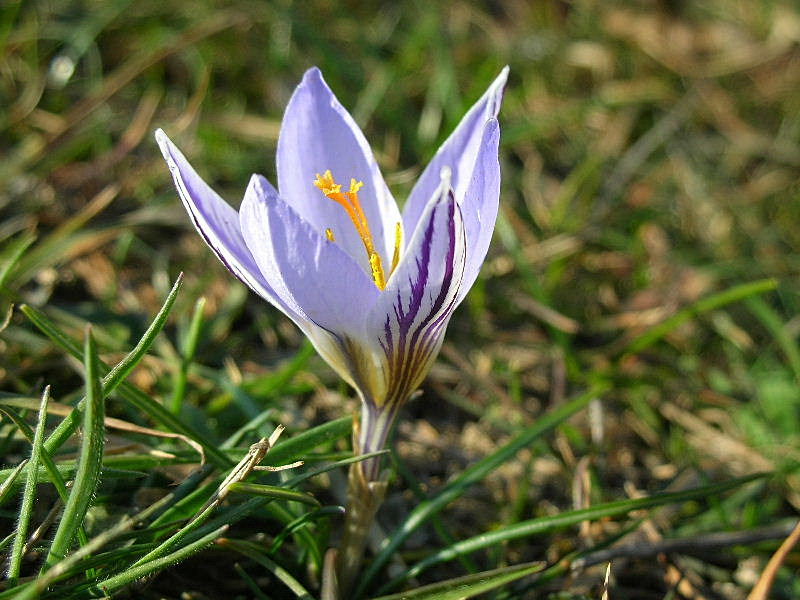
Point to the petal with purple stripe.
(480, 203)
(411, 315)
(458, 153)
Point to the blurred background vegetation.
(650, 160)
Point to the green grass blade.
(704, 305)
(302, 522)
(13, 255)
(298, 479)
(566, 519)
(50, 329)
(445, 536)
(89, 461)
(270, 385)
(427, 509)
(469, 585)
(305, 540)
(254, 425)
(775, 325)
(256, 553)
(10, 480)
(189, 349)
(294, 448)
(274, 492)
(67, 471)
(25, 591)
(250, 582)
(122, 369)
(132, 574)
(49, 464)
(29, 493)
(118, 373)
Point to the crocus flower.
(371, 286)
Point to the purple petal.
(218, 224)
(480, 203)
(318, 134)
(412, 313)
(458, 153)
(307, 270)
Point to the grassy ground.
(641, 286)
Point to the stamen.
(326, 183)
(398, 245)
(377, 270)
(329, 234)
(352, 206)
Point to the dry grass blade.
(606, 595)
(689, 545)
(247, 465)
(547, 314)
(739, 456)
(765, 582)
(7, 318)
(63, 410)
(330, 583)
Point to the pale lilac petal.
(411, 315)
(303, 266)
(218, 224)
(480, 203)
(318, 134)
(458, 153)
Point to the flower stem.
(364, 497)
(366, 489)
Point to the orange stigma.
(351, 204)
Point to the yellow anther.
(352, 206)
(326, 183)
(398, 245)
(377, 270)
(329, 234)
